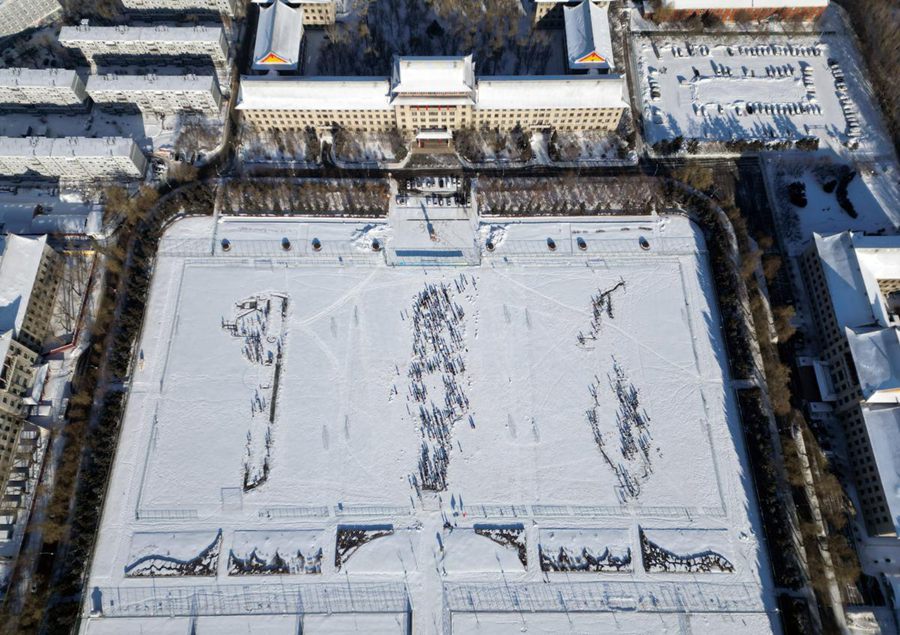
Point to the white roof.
(44, 77)
(853, 264)
(157, 33)
(278, 36)
(742, 4)
(542, 91)
(876, 356)
(883, 426)
(588, 42)
(5, 340)
(66, 146)
(314, 93)
(187, 81)
(435, 76)
(19, 268)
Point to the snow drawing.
(260, 323)
(291, 564)
(351, 537)
(204, 563)
(632, 462)
(586, 560)
(601, 305)
(435, 395)
(660, 560)
(509, 536)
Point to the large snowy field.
(530, 420)
(770, 88)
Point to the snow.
(548, 91)
(465, 551)
(755, 87)
(854, 265)
(554, 623)
(415, 76)
(20, 262)
(389, 554)
(876, 358)
(511, 431)
(874, 193)
(292, 93)
(883, 428)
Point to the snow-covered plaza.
(437, 423)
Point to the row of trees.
(479, 144)
(95, 410)
(807, 470)
(349, 197)
(677, 144)
(568, 195)
(875, 22)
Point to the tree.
(784, 326)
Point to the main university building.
(433, 96)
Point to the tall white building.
(50, 86)
(853, 283)
(18, 15)
(135, 41)
(71, 157)
(225, 7)
(162, 94)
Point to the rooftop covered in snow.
(313, 93)
(545, 91)
(876, 357)
(20, 263)
(859, 270)
(66, 146)
(156, 33)
(414, 77)
(37, 77)
(588, 43)
(279, 33)
(151, 82)
(883, 427)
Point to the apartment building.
(433, 95)
(18, 366)
(18, 15)
(71, 157)
(30, 275)
(46, 87)
(315, 12)
(111, 43)
(853, 282)
(730, 10)
(224, 7)
(161, 94)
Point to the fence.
(593, 597)
(256, 599)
